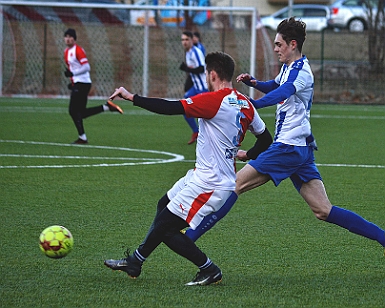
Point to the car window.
(353, 3)
(315, 13)
(360, 3)
(283, 15)
(295, 12)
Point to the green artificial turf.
(272, 250)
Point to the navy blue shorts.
(282, 161)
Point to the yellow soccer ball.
(56, 242)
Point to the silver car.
(350, 14)
(315, 16)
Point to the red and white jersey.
(75, 57)
(224, 117)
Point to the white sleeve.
(83, 69)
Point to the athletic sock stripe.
(206, 265)
(139, 256)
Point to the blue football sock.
(192, 123)
(356, 224)
(209, 221)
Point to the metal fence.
(121, 51)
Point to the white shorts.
(191, 202)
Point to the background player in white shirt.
(291, 154)
(195, 67)
(224, 115)
(197, 42)
(78, 69)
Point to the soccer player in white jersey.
(224, 115)
(195, 67)
(291, 153)
(78, 70)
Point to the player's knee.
(240, 188)
(321, 213)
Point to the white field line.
(138, 161)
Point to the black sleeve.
(197, 70)
(263, 142)
(159, 105)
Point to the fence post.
(322, 59)
(44, 55)
(1, 50)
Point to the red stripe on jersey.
(248, 115)
(81, 55)
(197, 205)
(204, 105)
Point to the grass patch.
(271, 249)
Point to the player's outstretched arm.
(157, 105)
(247, 79)
(122, 93)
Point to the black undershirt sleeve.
(159, 105)
(197, 70)
(263, 142)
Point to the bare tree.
(376, 33)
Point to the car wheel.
(356, 25)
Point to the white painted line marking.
(138, 161)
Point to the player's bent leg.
(181, 244)
(248, 178)
(162, 203)
(209, 221)
(315, 195)
(356, 224)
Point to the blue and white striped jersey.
(293, 114)
(194, 59)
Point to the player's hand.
(122, 93)
(183, 67)
(242, 155)
(246, 78)
(68, 73)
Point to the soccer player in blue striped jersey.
(291, 153)
(195, 67)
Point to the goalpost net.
(133, 46)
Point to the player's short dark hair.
(292, 29)
(188, 33)
(222, 63)
(70, 32)
(197, 34)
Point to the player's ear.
(213, 75)
(293, 44)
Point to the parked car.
(350, 14)
(315, 16)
